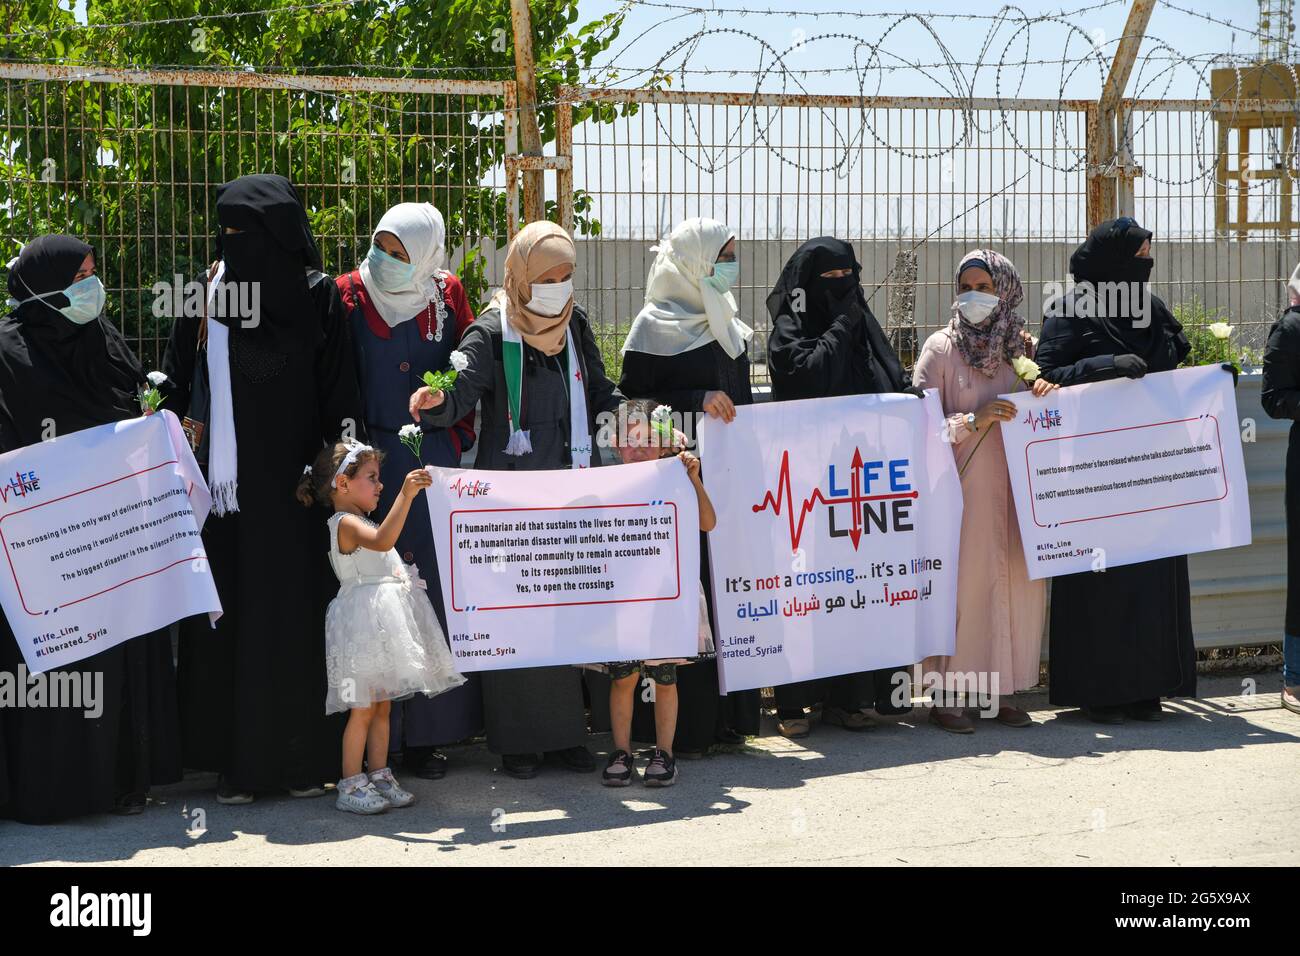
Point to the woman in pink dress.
(999, 610)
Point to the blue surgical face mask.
(85, 300)
(390, 274)
(724, 275)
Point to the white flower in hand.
(412, 436)
(1026, 369)
(459, 360)
(1220, 330)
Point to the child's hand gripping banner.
(837, 538)
(567, 567)
(100, 532)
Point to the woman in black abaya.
(1122, 638)
(825, 342)
(62, 363)
(270, 388)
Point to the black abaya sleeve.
(178, 364)
(602, 394)
(9, 439)
(1280, 391)
(640, 379)
(1061, 358)
(337, 392)
(807, 361)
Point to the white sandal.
(358, 795)
(386, 786)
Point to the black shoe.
(619, 770)
(428, 763)
(129, 804)
(1104, 715)
(578, 759)
(1148, 710)
(730, 737)
(230, 795)
(520, 766)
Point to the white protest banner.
(1117, 472)
(567, 567)
(100, 531)
(836, 545)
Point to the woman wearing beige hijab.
(537, 376)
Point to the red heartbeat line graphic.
(855, 497)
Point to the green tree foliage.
(133, 167)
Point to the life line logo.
(1046, 419)
(879, 494)
(23, 483)
(470, 489)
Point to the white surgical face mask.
(85, 300)
(976, 307)
(550, 298)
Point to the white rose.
(459, 361)
(1026, 369)
(1220, 330)
(156, 378)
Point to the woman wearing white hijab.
(407, 313)
(687, 348)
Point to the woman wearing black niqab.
(252, 689)
(1120, 639)
(825, 342)
(73, 369)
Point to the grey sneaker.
(387, 787)
(619, 771)
(358, 795)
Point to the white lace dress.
(382, 639)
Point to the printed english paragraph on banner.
(567, 567)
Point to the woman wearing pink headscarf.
(999, 610)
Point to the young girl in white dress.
(382, 640)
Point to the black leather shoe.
(577, 759)
(1104, 715)
(1148, 710)
(729, 737)
(427, 763)
(520, 766)
(129, 804)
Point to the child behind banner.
(382, 640)
(649, 436)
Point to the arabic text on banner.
(837, 538)
(567, 567)
(1118, 472)
(100, 531)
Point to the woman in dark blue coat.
(407, 314)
